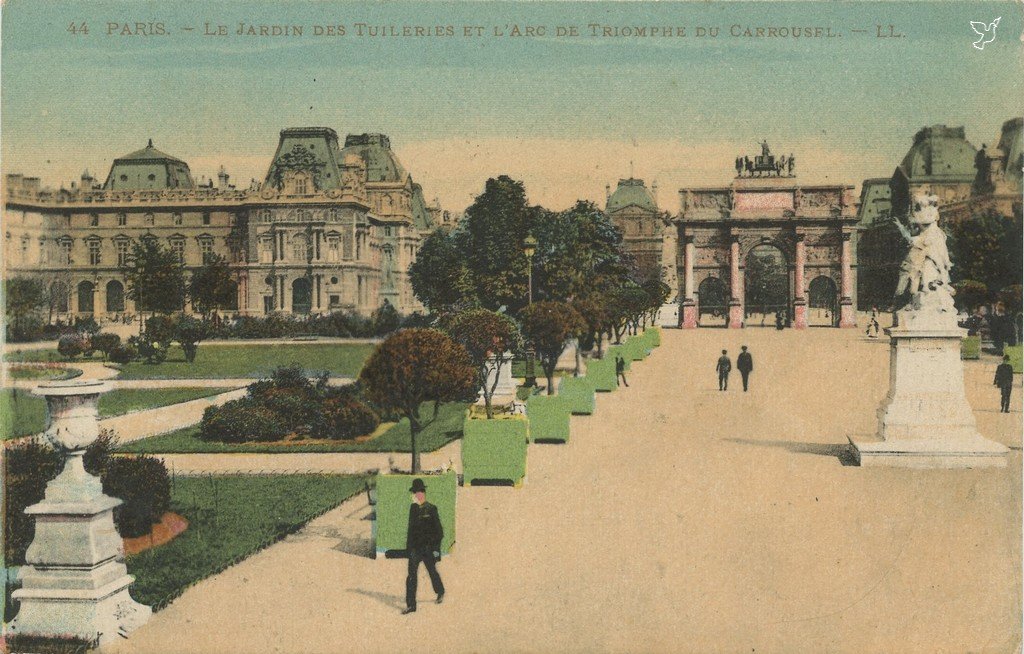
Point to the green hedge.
(1016, 354)
(495, 449)
(654, 336)
(601, 373)
(622, 351)
(970, 347)
(578, 394)
(636, 347)
(549, 418)
(391, 524)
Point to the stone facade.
(330, 227)
(803, 234)
(634, 210)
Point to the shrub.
(71, 345)
(144, 485)
(160, 329)
(345, 419)
(151, 351)
(189, 332)
(385, 319)
(28, 466)
(240, 421)
(123, 354)
(105, 342)
(87, 325)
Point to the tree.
(989, 248)
(414, 366)
(25, 299)
(548, 325)
(970, 293)
(212, 286)
(189, 332)
(155, 276)
(439, 275)
(658, 293)
(385, 319)
(105, 342)
(766, 282)
(486, 336)
(495, 226)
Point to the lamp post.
(529, 248)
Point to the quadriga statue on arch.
(924, 273)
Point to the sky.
(565, 114)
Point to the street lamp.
(529, 247)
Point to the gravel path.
(677, 519)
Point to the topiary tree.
(548, 325)
(189, 332)
(414, 366)
(486, 335)
(105, 342)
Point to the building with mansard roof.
(332, 226)
(633, 208)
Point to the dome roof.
(631, 192)
(940, 153)
(148, 169)
(375, 149)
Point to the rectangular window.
(206, 217)
(178, 247)
(94, 220)
(122, 252)
(206, 248)
(149, 220)
(299, 248)
(94, 253)
(122, 219)
(300, 185)
(178, 219)
(334, 300)
(65, 253)
(266, 250)
(346, 241)
(332, 248)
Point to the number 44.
(80, 28)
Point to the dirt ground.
(677, 519)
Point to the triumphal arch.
(766, 248)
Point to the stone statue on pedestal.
(924, 274)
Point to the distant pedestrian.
(423, 543)
(1004, 380)
(872, 324)
(780, 321)
(620, 371)
(723, 368)
(745, 364)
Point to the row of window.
(94, 250)
(148, 219)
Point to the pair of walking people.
(744, 363)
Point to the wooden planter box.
(1016, 353)
(391, 522)
(970, 347)
(549, 418)
(578, 394)
(495, 450)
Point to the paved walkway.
(677, 519)
(142, 424)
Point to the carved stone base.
(847, 318)
(799, 314)
(689, 316)
(925, 420)
(735, 315)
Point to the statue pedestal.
(505, 391)
(75, 581)
(800, 314)
(925, 420)
(689, 317)
(668, 315)
(735, 314)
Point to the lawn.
(231, 517)
(240, 361)
(436, 435)
(25, 414)
(41, 374)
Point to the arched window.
(115, 296)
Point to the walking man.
(423, 543)
(620, 371)
(1004, 380)
(745, 364)
(723, 368)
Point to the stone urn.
(74, 580)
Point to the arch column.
(688, 318)
(800, 296)
(846, 308)
(736, 284)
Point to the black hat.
(418, 486)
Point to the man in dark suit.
(745, 364)
(723, 368)
(1004, 380)
(620, 371)
(423, 543)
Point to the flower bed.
(970, 347)
(495, 449)
(549, 418)
(391, 524)
(578, 393)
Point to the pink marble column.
(736, 284)
(846, 312)
(689, 315)
(800, 297)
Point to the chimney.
(222, 178)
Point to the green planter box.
(970, 347)
(636, 346)
(578, 394)
(1016, 354)
(654, 335)
(619, 350)
(601, 373)
(495, 449)
(391, 524)
(549, 418)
